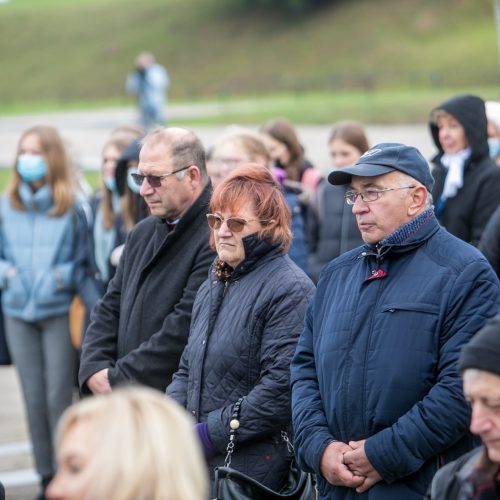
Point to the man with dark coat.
(467, 179)
(140, 327)
(476, 475)
(376, 396)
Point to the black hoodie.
(467, 213)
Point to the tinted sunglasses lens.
(213, 221)
(235, 225)
(137, 178)
(154, 180)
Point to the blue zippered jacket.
(47, 252)
(377, 357)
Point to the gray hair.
(403, 180)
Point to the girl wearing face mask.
(133, 208)
(109, 230)
(43, 237)
(493, 116)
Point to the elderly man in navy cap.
(376, 393)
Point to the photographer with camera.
(149, 82)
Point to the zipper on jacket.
(36, 227)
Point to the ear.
(194, 176)
(417, 202)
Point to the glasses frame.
(218, 220)
(351, 196)
(155, 180)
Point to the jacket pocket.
(411, 307)
(46, 292)
(15, 294)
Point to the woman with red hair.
(246, 320)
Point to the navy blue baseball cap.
(384, 158)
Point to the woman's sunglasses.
(234, 224)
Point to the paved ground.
(16, 467)
(86, 132)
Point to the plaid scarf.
(484, 479)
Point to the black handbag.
(230, 484)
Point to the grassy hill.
(79, 51)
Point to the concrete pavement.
(86, 131)
(16, 466)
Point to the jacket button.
(193, 412)
(203, 343)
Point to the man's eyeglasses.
(234, 224)
(154, 180)
(369, 195)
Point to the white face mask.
(494, 146)
(130, 181)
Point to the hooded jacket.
(466, 214)
(377, 357)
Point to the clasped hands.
(347, 465)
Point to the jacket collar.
(409, 235)
(256, 249)
(200, 204)
(40, 201)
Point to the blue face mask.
(130, 182)
(31, 167)
(494, 146)
(110, 183)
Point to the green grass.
(60, 53)
(379, 107)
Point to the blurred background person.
(282, 142)
(467, 183)
(246, 320)
(133, 208)
(490, 241)
(149, 82)
(238, 146)
(42, 263)
(108, 231)
(493, 115)
(336, 230)
(133, 444)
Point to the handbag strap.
(234, 425)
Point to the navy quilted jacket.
(377, 358)
(241, 342)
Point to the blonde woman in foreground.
(132, 444)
